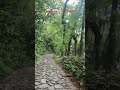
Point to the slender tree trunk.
(69, 44)
(64, 24)
(82, 34)
(75, 43)
(64, 39)
(81, 43)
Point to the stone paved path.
(50, 76)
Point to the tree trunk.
(64, 24)
(109, 63)
(75, 43)
(69, 44)
(81, 43)
(82, 34)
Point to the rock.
(43, 86)
(43, 80)
(53, 82)
(50, 84)
(37, 83)
(58, 86)
(51, 88)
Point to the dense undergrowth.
(75, 65)
(100, 80)
(93, 80)
(16, 35)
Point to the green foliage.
(49, 29)
(39, 43)
(49, 34)
(16, 35)
(76, 66)
(99, 80)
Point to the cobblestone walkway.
(50, 76)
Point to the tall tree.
(110, 54)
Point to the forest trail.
(50, 76)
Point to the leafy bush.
(16, 36)
(76, 66)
